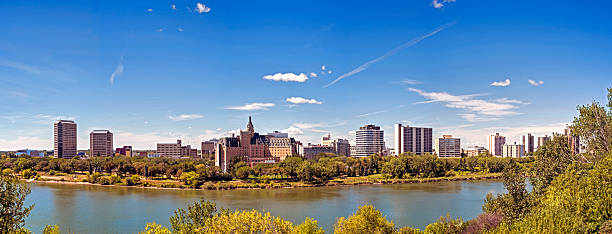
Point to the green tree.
(594, 125)
(191, 179)
(515, 204)
(194, 218)
(367, 219)
(51, 229)
(395, 167)
(551, 160)
(12, 210)
(309, 226)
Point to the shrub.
(28, 174)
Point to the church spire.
(250, 125)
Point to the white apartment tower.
(413, 139)
(495, 144)
(369, 139)
(447, 146)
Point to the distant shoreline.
(350, 181)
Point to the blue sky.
(155, 71)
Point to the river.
(106, 209)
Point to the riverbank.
(255, 183)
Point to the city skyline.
(169, 73)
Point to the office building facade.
(513, 151)
(369, 139)
(101, 143)
(448, 147)
(528, 141)
(496, 143)
(64, 139)
(413, 139)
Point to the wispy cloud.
(18, 66)
(323, 68)
(173, 6)
(502, 83)
(390, 53)
(184, 117)
(479, 109)
(293, 131)
(312, 74)
(301, 100)
(440, 3)
(372, 113)
(287, 77)
(149, 10)
(201, 8)
(535, 83)
(252, 106)
(180, 29)
(117, 72)
(409, 82)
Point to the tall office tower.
(529, 143)
(495, 144)
(543, 140)
(65, 139)
(369, 139)
(572, 140)
(413, 139)
(447, 146)
(101, 143)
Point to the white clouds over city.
(502, 83)
(535, 83)
(252, 106)
(287, 77)
(201, 8)
(184, 117)
(301, 100)
(440, 3)
(478, 109)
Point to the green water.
(101, 209)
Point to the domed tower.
(250, 126)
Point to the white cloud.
(507, 100)
(301, 100)
(180, 29)
(502, 83)
(184, 117)
(294, 131)
(394, 51)
(479, 110)
(410, 82)
(173, 7)
(440, 3)
(287, 77)
(26, 142)
(18, 66)
(252, 106)
(201, 8)
(323, 67)
(117, 72)
(160, 30)
(149, 10)
(535, 83)
(329, 72)
(372, 113)
(312, 74)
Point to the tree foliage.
(367, 219)
(594, 125)
(13, 212)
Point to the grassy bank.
(253, 183)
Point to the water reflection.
(104, 209)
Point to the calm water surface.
(98, 209)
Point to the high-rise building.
(513, 151)
(413, 139)
(543, 140)
(101, 143)
(476, 150)
(65, 139)
(208, 148)
(529, 143)
(369, 139)
(572, 140)
(495, 144)
(447, 146)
